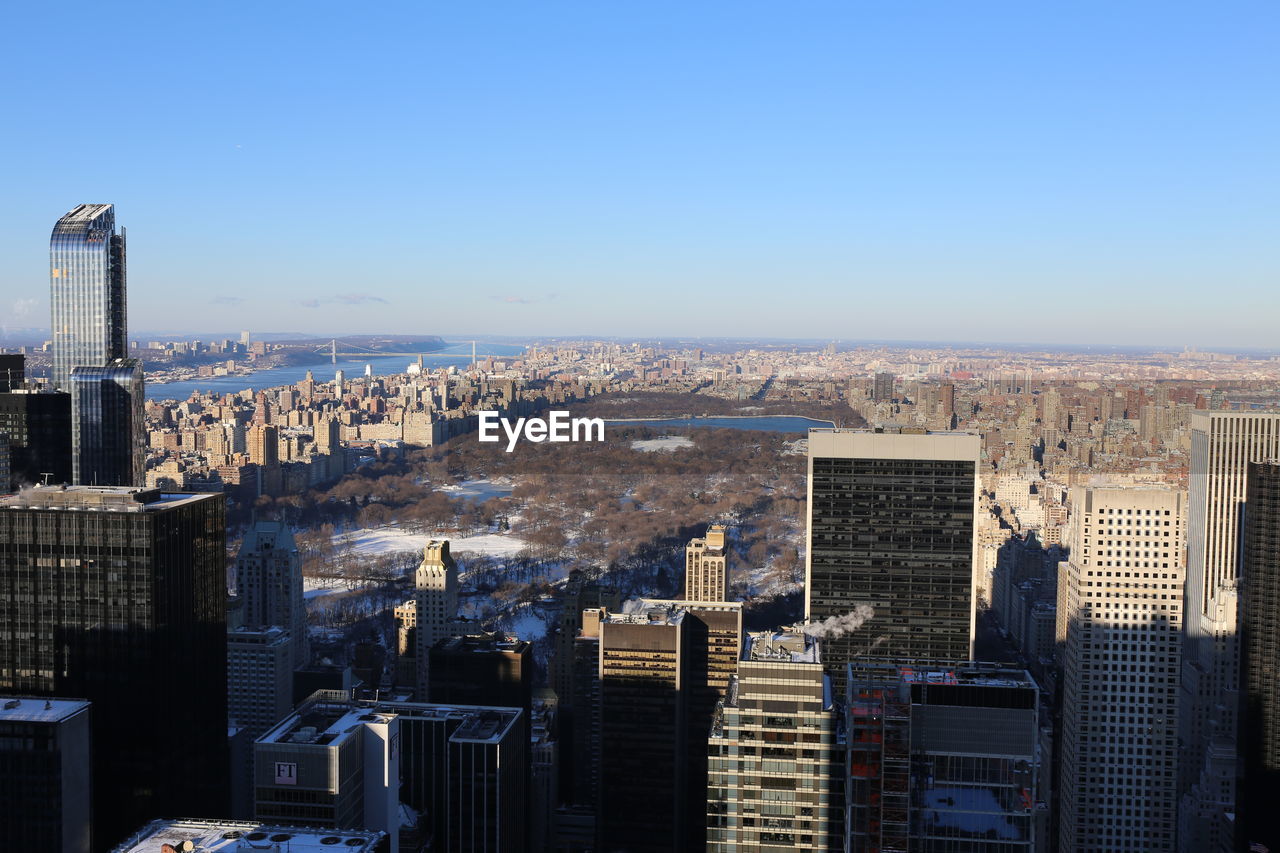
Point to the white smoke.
(837, 626)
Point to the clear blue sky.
(1071, 172)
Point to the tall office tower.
(892, 524)
(87, 291)
(5, 477)
(119, 596)
(13, 371)
(233, 836)
(38, 424)
(706, 572)
(269, 581)
(436, 593)
(778, 722)
(578, 594)
(259, 693)
(487, 669)
(584, 736)
(488, 809)
(943, 760)
(1222, 445)
(882, 388)
(1259, 652)
(108, 424)
(1120, 632)
(642, 732)
(44, 774)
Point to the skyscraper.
(108, 429)
(44, 774)
(436, 594)
(38, 423)
(1222, 445)
(1259, 653)
(891, 524)
(269, 582)
(119, 596)
(1120, 631)
(87, 291)
(706, 573)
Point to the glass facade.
(86, 291)
(895, 533)
(108, 426)
(39, 428)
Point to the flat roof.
(780, 647)
(100, 498)
(869, 444)
(322, 725)
(39, 709)
(239, 836)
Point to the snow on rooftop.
(31, 709)
(231, 836)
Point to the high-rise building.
(892, 525)
(1259, 653)
(485, 669)
(108, 426)
(259, 693)
(436, 593)
(44, 774)
(5, 477)
(119, 596)
(943, 760)
(87, 286)
(778, 729)
(1120, 635)
(38, 424)
(706, 572)
(1223, 443)
(269, 582)
(232, 836)
(882, 388)
(13, 371)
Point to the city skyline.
(1112, 163)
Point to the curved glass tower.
(86, 291)
(108, 434)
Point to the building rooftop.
(489, 642)
(99, 499)
(39, 709)
(782, 646)
(235, 836)
(489, 725)
(323, 723)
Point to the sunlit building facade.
(87, 291)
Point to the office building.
(943, 759)
(892, 525)
(706, 572)
(1223, 443)
(108, 426)
(13, 371)
(87, 286)
(259, 693)
(5, 478)
(44, 774)
(1120, 632)
(882, 388)
(1259, 654)
(436, 594)
(776, 752)
(38, 424)
(269, 582)
(485, 669)
(119, 596)
(240, 836)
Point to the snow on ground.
(389, 540)
(527, 623)
(666, 442)
(477, 490)
(313, 587)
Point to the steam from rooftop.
(837, 626)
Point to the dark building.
(882, 388)
(13, 371)
(488, 669)
(108, 427)
(38, 424)
(891, 526)
(1259, 653)
(119, 596)
(44, 774)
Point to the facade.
(259, 691)
(87, 289)
(44, 774)
(776, 752)
(1259, 652)
(882, 388)
(269, 582)
(108, 424)
(1120, 631)
(706, 573)
(436, 593)
(942, 761)
(486, 669)
(13, 371)
(235, 836)
(488, 802)
(38, 424)
(1222, 445)
(119, 596)
(5, 477)
(892, 525)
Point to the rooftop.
(783, 646)
(39, 709)
(489, 725)
(234, 836)
(99, 499)
(323, 724)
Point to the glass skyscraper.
(108, 430)
(87, 291)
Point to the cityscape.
(678, 429)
